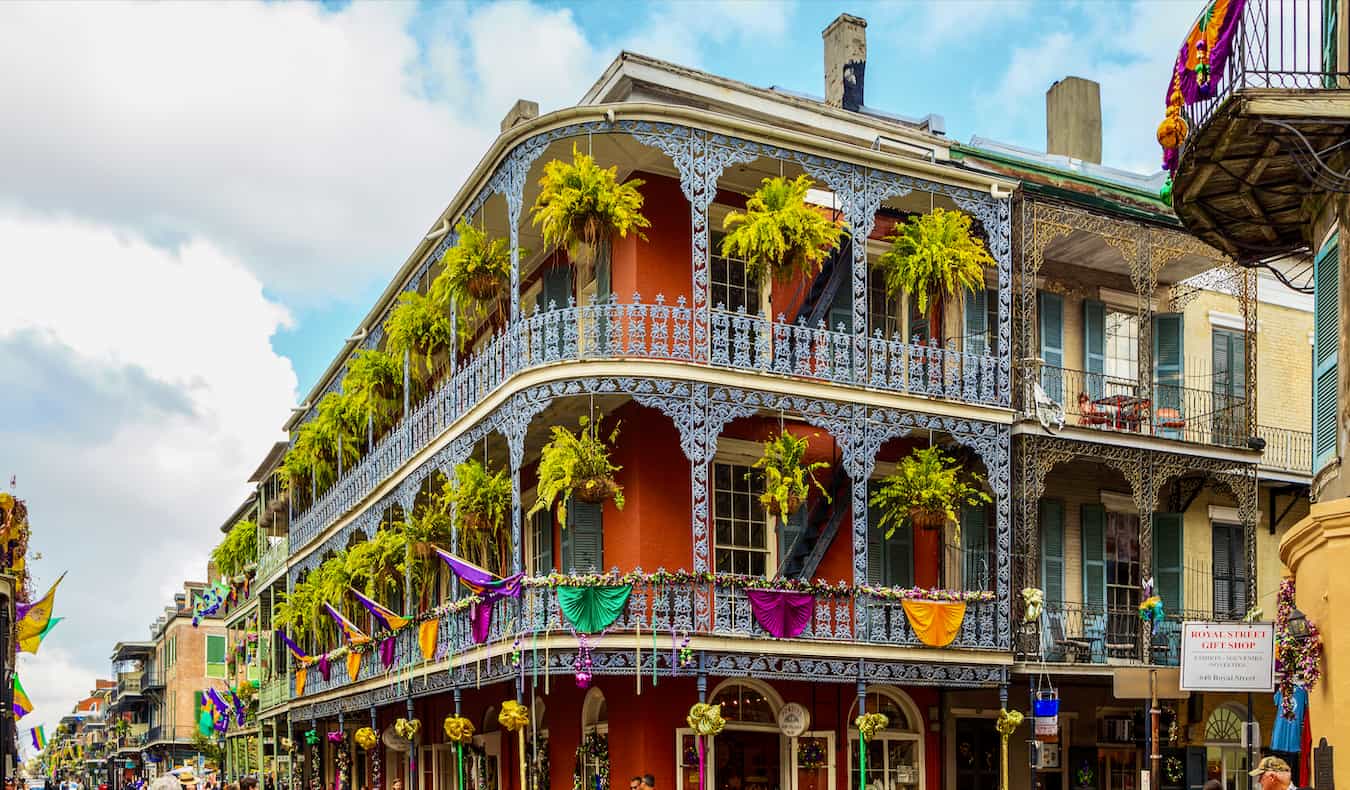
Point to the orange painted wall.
(653, 530)
(661, 264)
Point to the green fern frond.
(934, 253)
(581, 205)
(568, 460)
(779, 234)
(374, 384)
(786, 477)
(238, 551)
(927, 480)
(420, 327)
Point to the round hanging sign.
(793, 720)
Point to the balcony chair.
(1169, 423)
(1072, 649)
(1089, 413)
(1094, 632)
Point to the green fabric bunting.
(592, 609)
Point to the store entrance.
(747, 760)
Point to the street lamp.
(1297, 625)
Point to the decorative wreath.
(1173, 769)
(811, 754)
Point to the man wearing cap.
(1272, 773)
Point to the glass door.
(892, 763)
(813, 761)
(686, 750)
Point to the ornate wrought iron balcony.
(658, 332)
(273, 557)
(839, 617)
(1286, 450)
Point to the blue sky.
(203, 200)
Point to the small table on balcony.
(1128, 410)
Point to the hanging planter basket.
(595, 489)
(483, 285)
(924, 518)
(792, 503)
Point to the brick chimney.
(845, 61)
(1073, 119)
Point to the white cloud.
(686, 32)
(140, 391)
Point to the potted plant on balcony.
(476, 269)
(482, 499)
(934, 253)
(787, 480)
(577, 464)
(419, 327)
(581, 207)
(334, 431)
(779, 234)
(925, 492)
(374, 388)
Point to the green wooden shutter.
(898, 570)
(1330, 64)
(1094, 346)
(1168, 554)
(875, 546)
(1052, 551)
(975, 547)
(1051, 319)
(1326, 351)
(1230, 589)
(1093, 533)
(556, 288)
(1168, 360)
(977, 322)
(541, 525)
(583, 541)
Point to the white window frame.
(915, 736)
(740, 452)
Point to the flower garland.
(1172, 769)
(1200, 62)
(595, 748)
(342, 764)
(819, 587)
(1297, 661)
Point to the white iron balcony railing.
(662, 332)
(1286, 450)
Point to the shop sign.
(1228, 656)
(793, 719)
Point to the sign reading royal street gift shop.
(1228, 656)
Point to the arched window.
(746, 701)
(1225, 759)
(593, 755)
(1224, 725)
(895, 754)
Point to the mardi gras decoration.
(706, 721)
(811, 754)
(1008, 722)
(1034, 598)
(311, 737)
(336, 736)
(1198, 68)
(458, 729)
(366, 738)
(515, 717)
(407, 728)
(1151, 608)
(1298, 661)
(868, 724)
(593, 752)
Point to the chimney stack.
(1073, 119)
(523, 110)
(845, 61)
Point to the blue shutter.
(1051, 316)
(1168, 552)
(975, 547)
(977, 322)
(1168, 361)
(898, 570)
(789, 532)
(1326, 351)
(583, 541)
(1093, 532)
(1094, 347)
(1052, 551)
(1330, 63)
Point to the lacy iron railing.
(1286, 450)
(273, 557)
(1075, 634)
(666, 609)
(1107, 403)
(660, 332)
(1281, 44)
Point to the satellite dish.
(393, 740)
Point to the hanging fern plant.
(934, 253)
(476, 268)
(482, 499)
(238, 552)
(577, 464)
(787, 480)
(374, 387)
(420, 327)
(582, 206)
(925, 491)
(779, 234)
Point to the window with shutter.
(890, 561)
(583, 541)
(1093, 529)
(557, 288)
(1326, 350)
(215, 656)
(1094, 346)
(789, 533)
(1330, 64)
(1229, 386)
(541, 543)
(1051, 324)
(1168, 361)
(1052, 551)
(1168, 553)
(883, 310)
(977, 561)
(977, 321)
(1230, 572)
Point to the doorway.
(746, 760)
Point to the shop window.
(745, 704)
(740, 531)
(895, 754)
(977, 754)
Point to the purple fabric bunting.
(387, 652)
(480, 616)
(783, 614)
(324, 666)
(1191, 89)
